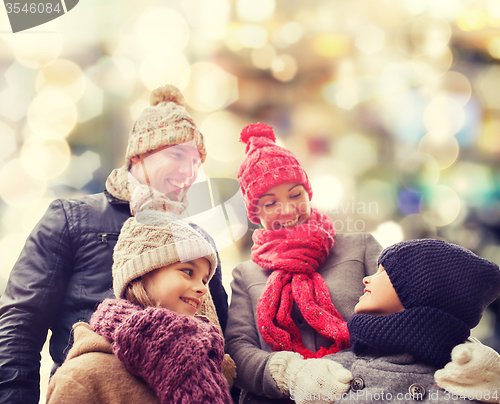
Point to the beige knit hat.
(153, 240)
(165, 123)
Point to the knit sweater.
(179, 357)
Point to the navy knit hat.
(434, 273)
(444, 289)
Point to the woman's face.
(284, 206)
(379, 297)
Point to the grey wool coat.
(352, 257)
(382, 378)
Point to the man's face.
(170, 170)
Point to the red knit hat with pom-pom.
(266, 165)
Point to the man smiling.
(64, 270)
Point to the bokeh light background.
(392, 106)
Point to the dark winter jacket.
(62, 274)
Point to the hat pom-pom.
(168, 93)
(261, 130)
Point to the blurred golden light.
(10, 247)
(232, 37)
(35, 50)
(493, 8)
(15, 99)
(211, 16)
(220, 130)
(8, 144)
(255, 10)
(416, 226)
(454, 85)
(331, 45)
(395, 77)
(444, 116)
(17, 187)
(378, 198)
(288, 34)
(80, 170)
(388, 233)
(90, 104)
(263, 57)
(137, 107)
(116, 75)
(488, 140)
(158, 69)
(472, 19)
(471, 181)
(370, 39)
(419, 171)
(52, 113)
(357, 152)
(430, 34)
(62, 75)
(32, 215)
(487, 87)
(494, 47)
(328, 192)
(432, 66)
(252, 36)
(210, 87)
(129, 46)
(284, 68)
(45, 158)
(163, 30)
(444, 149)
(346, 96)
(441, 205)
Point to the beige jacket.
(92, 374)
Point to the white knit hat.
(165, 123)
(153, 240)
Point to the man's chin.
(176, 194)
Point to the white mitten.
(311, 380)
(474, 371)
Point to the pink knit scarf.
(294, 255)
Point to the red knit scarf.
(294, 255)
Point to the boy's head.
(152, 247)
(437, 274)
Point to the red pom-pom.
(257, 130)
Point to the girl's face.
(170, 170)
(179, 287)
(379, 297)
(283, 206)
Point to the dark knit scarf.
(427, 333)
(294, 255)
(179, 357)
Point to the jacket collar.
(114, 200)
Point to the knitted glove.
(309, 380)
(229, 370)
(475, 370)
(179, 357)
(109, 315)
